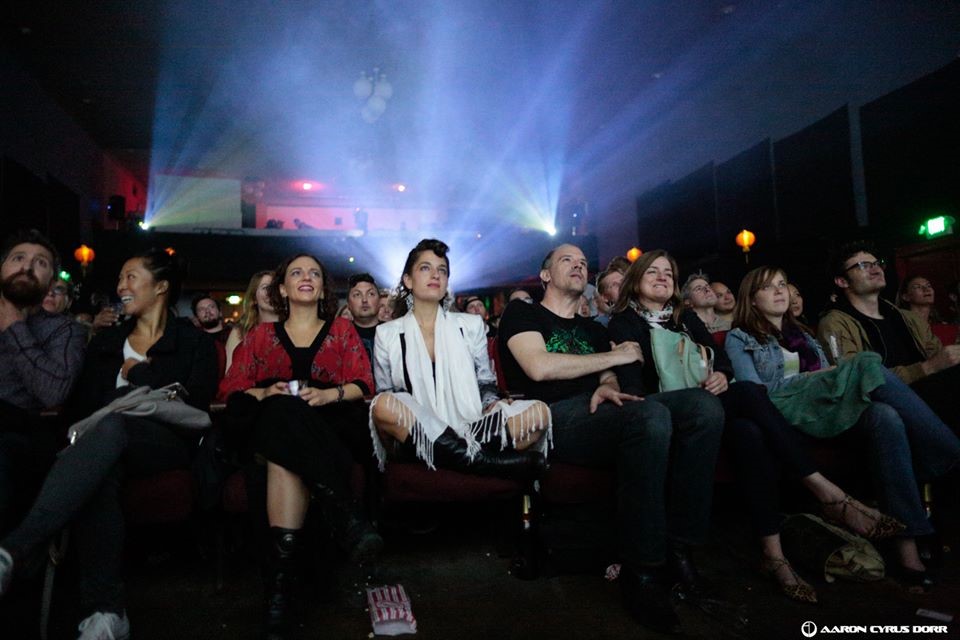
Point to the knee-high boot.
(450, 452)
(349, 525)
(282, 576)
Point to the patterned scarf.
(794, 339)
(664, 316)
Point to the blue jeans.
(906, 443)
(663, 449)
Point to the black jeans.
(762, 445)
(27, 448)
(82, 489)
(664, 450)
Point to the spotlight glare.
(350, 259)
(143, 225)
(234, 299)
(307, 186)
(400, 187)
(552, 230)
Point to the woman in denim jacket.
(904, 440)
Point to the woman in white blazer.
(437, 397)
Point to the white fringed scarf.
(452, 399)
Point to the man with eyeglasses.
(863, 321)
(40, 358)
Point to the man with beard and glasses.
(209, 318)
(363, 300)
(40, 358)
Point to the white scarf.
(454, 396)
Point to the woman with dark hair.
(153, 348)
(758, 437)
(904, 440)
(438, 397)
(309, 372)
(256, 309)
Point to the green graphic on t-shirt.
(568, 341)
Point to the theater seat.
(164, 498)
(414, 482)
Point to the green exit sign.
(939, 226)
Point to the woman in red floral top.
(309, 373)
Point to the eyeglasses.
(866, 265)
(924, 287)
(701, 289)
(58, 291)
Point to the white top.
(128, 353)
(791, 363)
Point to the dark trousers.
(27, 449)
(82, 489)
(664, 450)
(763, 447)
(318, 444)
(940, 391)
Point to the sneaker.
(104, 625)
(6, 570)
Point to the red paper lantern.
(84, 255)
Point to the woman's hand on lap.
(716, 383)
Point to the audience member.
(152, 348)
(724, 307)
(916, 294)
(796, 304)
(902, 438)
(59, 297)
(41, 354)
(608, 291)
(309, 372)
(663, 447)
(363, 299)
(474, 305)
(862, 321)
(385, 308)
(256, 308)
(759, 438)
(698, 295)
(438, 397)
(209, 316)
(520, 294)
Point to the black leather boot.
(349, 525)
(282, 574)
(684, 573)
(450, 452)
(647, 597)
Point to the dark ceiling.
(605, 99)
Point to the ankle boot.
(647, 597)
(349, 525)
(282, 573)
(683, 571)
(450, 452)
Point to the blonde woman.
(256, 309)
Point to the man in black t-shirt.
(662, 448)
(862, 321)
(363, 300)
